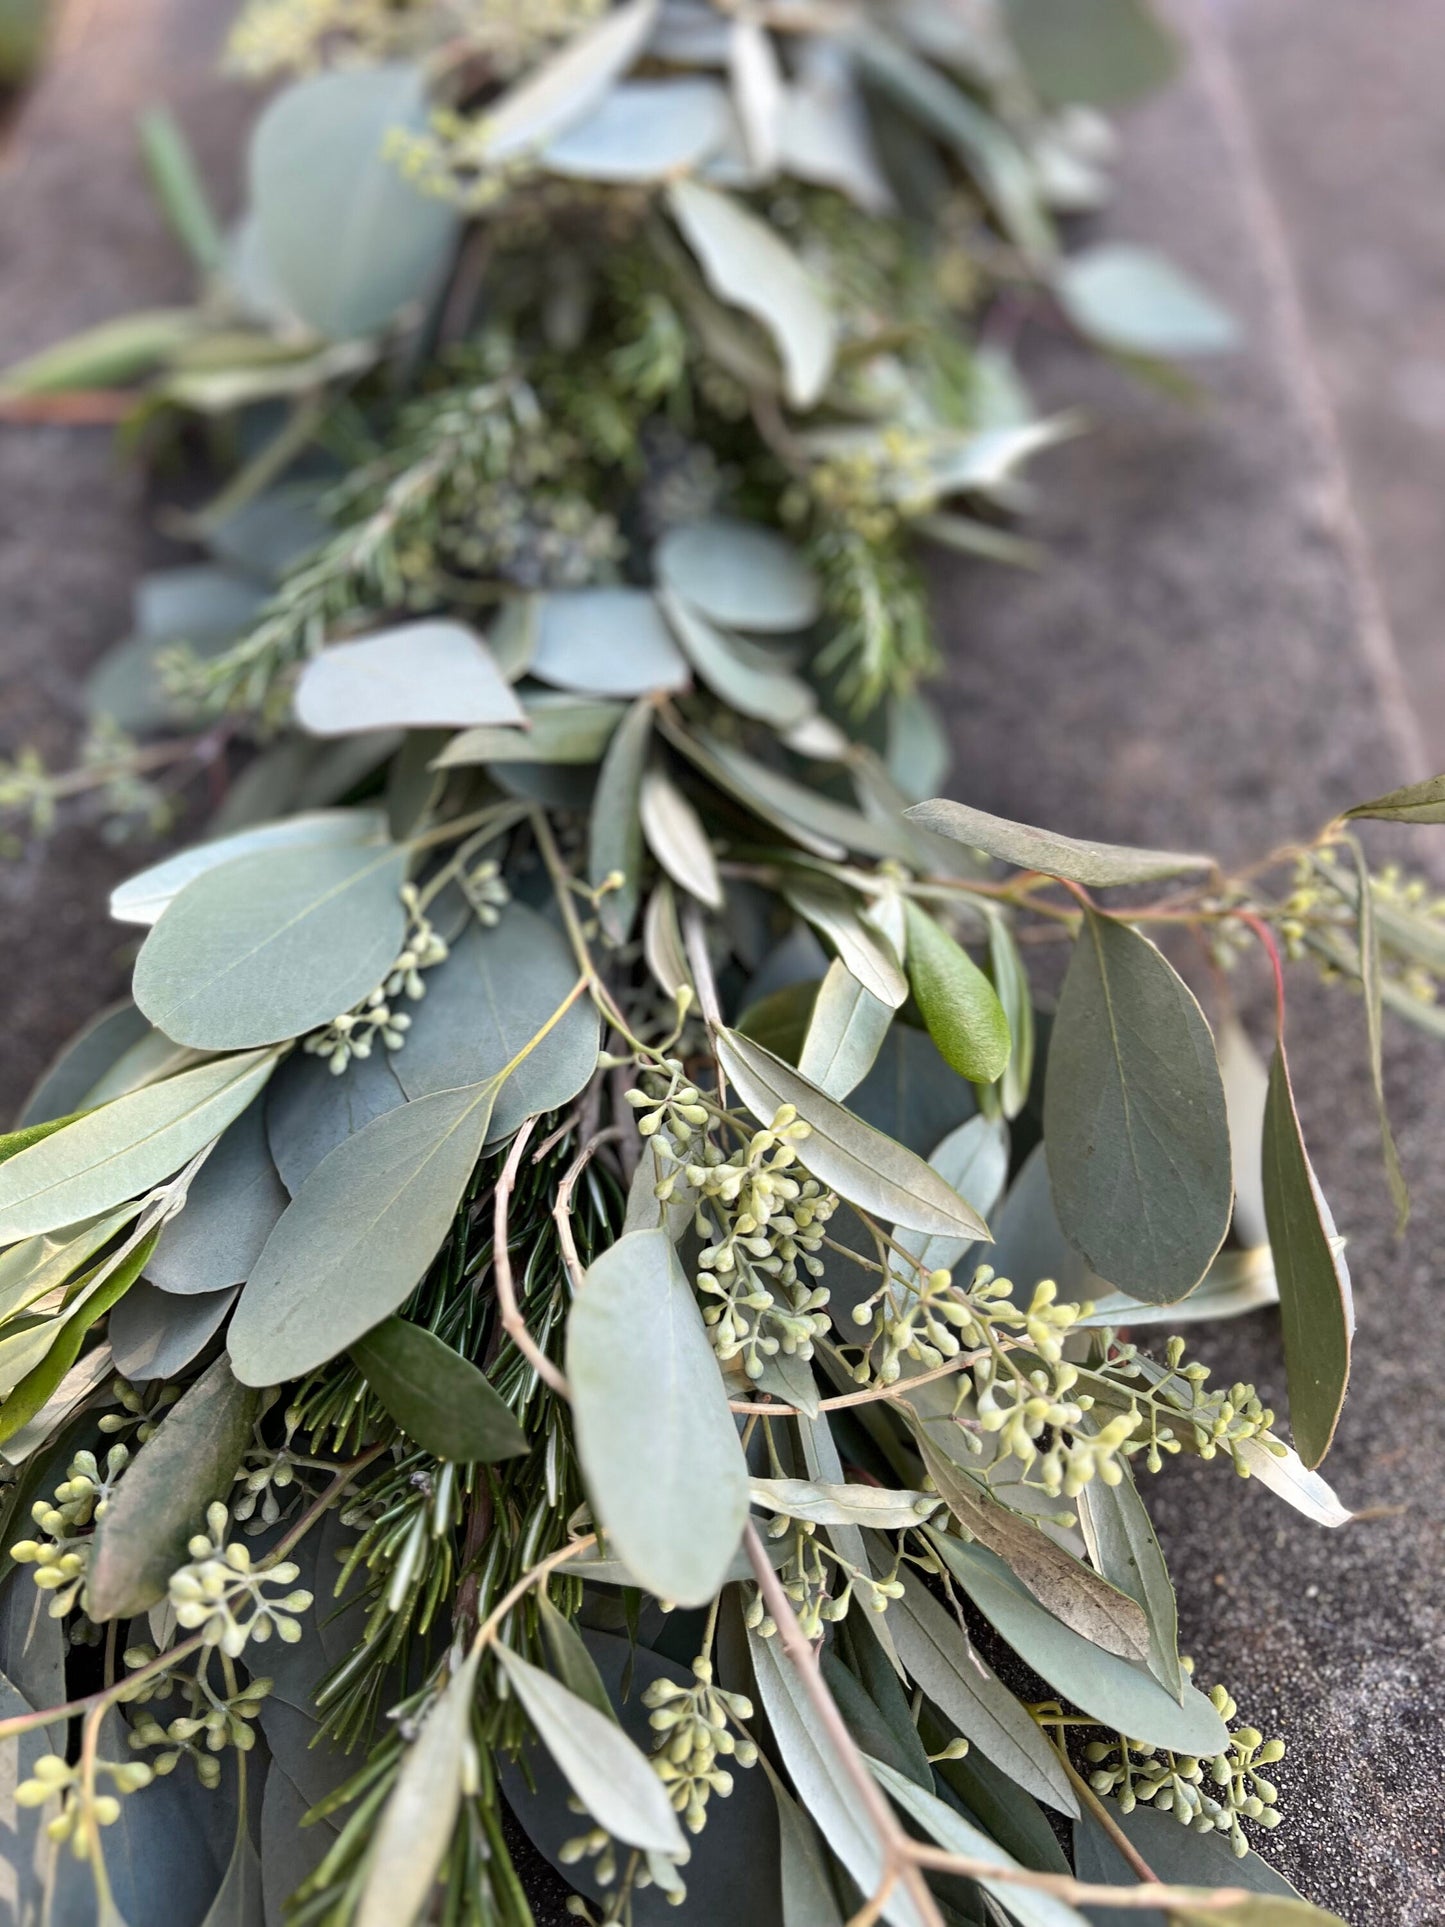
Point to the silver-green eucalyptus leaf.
(155, 1335)
(677, 838)
(309, 1110)
(559, 728)
(231, 1209)
(563, 90)
(643, 130)
(845, 1032)
(615, 845)
(1096, 864)
(142, 899)
(1136, 302)
(1246, 1092)
(67, 1081)
(1117, 1530)
(973, 1159)
(738, 575)
(1286, 1475)
(419, 675)
(607, 642)
(658, 1445)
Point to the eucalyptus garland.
(591, 1296)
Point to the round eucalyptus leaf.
(1133, 300)
(154, 1335)
(567, 87)
(739, 575)
(142, 898)
(230, 1211)
(644, 130)
(420, 675)
(309, 1110)
(607, 642)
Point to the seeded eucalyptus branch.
(592, 1292)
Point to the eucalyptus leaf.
(607, 642)
(658, 1445)
(273, 944)
(239, 1902)
(747, 265)
(416, 1823)
(560, 729)
(911, 1094)
(1096, 864)
(845, 1032)
(738, 575)
(1101, 53)
(865, 950)
(436, 1396)
(823, 1504)
(1316, 1305)
(1246, 1092)
(941, 1661)
(973, 1160)
(959, 1004)
(188, 1461)
(808, 1899)
(155, 1335)
(114, 1153)
(825, 132)
(761, 690)
(1116, 1527)
(349, 239)
(1134, 1118)
(1177, 1855)
(612, 1779)
(1286, 1475)
(143, 898)
(1371, 983)
(231, 1210)
(1122, 1696)
(676, 837)
(359, 1235)
(309, 1110)
(643, 130)
(615, 841)
(67, 1082)
(63, 1336)
(570, 85)
(842, 1152)
(1412, 803)
(419, 675)
(1138, 303)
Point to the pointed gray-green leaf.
(676, 837)
(940, 1660)
(487, 1004)
(1134, 1118)
(359, 1235)
(1246, 1090)
(1286, 1475)
(826, 1504)
(1011, 983)
(309, 1110)
(188, 1461)
(1177, 1855)
(868, 954)
(658, 1445)
(1413, 803)
(1098, 53)
(1138, 303)
(959, 1004)
(808, 1899)
(571, 1661)
(69, 1079)
(615, 841)
(1370, 983)
(662, 940)
(564, 89)
(1316, 1307)
(811, 819)
(561, 729)
(973, 1159)
(820, 1779)
(1121, 1542)
(416, 1824)
(153, 1334)
(348, 238)
(231, 1210)
(607, 642)
(435, 1395)
(746, 264)
(952, 1831)
(842, 1152)
(845, 1032)
(1122, 1696)
(272, 944)
(612, 1779)
(239, 1902)
(124, 1148)
(1096, 864)
(420, 675)
(644, 130)
(739, 574)
(142, 898)
(769, 694)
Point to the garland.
(580, 1298)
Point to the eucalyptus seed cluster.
(1211, 1795)
(221, 1594)
(1173, 1395)
(61, 1558)
(54, 1778)
(355, 1031)
(692, 1722)
(819, 1596)
(212, 1722)
(139, 1412)
(763, 1224)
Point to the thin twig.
(562, 1203)
(513, 1322)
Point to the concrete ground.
(1234, 639)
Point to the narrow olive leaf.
(1136, 302)
(612, 1779)
(186, 1463)
(1246, 1089)
(834, 1504)
(14, 1142)
(959, 1004)
(941, 1661)
(1283, 1472)
(615, 841)
(272, 944)
(1316, 1307)
(1135, 1127)
(677, 839)
(658, 1445)
(563, 90)
(105, 1286)
(574, 1665)
(419, 675)
(436, 1396)
(359, 1235)
(142, 898)
(347, 238)
(867, 953)
(416, 1822)
(747, 265)
(1072, 1592)
(607, 642)
(845, 1033)
(106, 356)
(1011, 985)
(866, 1168)
(230, 1211)
(1370, 983)
(758, 689)
(1096, 864)
(1117, 1530)
(1123, 1696)
(561, 729)
(662, 941)
(738, 574)
(1258, 1910)
(808, 1899)
(1413, 803)
(114, 1153)
(820, 1779)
